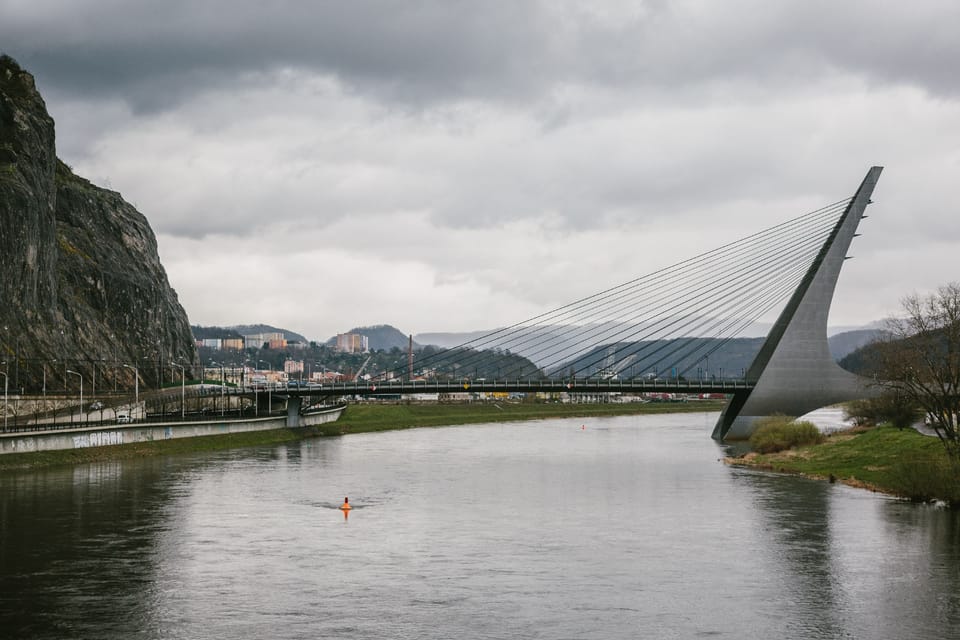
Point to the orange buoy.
(346, 504)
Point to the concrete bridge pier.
(293, 411)
(794, 372)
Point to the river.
(618, 527)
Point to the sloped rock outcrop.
(81, 284)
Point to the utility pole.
(183, 395)
(410, 359)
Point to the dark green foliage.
(924, 477)
(777, 433)
(210, 333)
(890, 407)
(859, 361)
(248, 329)
(920, 360)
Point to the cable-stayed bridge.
(655, 332)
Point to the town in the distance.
(262, 354)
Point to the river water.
(619, 527)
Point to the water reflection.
(855, 564)
(920, 547)
(93, 520)
(795, 518)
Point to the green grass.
(364, 418)
(904, 462)
(356, 419)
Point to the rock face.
(81, 284)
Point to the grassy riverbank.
(902, 463)
(365, 418)
(356, 419)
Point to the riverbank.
(897, 462)
(358, 418)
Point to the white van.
(123, 417)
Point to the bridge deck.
(525, 386)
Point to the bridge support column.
(794, 372)
(293, 411)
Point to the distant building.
(258, 340)
(211, 343)
(277, 344)
(326, 376)
(293, 366)
(352, 343)
(235, 344)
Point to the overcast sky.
(447, 166)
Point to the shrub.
(889, 406)
(862, 413)
(777, 433)
(925, 477)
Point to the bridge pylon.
(794, 373)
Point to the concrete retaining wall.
(145, 432)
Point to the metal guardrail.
(520, 385)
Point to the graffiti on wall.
(97, 439)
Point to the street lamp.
(183, 395)
(222, 385)
(136, 383)
(81, 391)
(6, 380)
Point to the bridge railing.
(580, 385)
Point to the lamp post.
(81, 391)
(136, 386)
(222, 384)
(6, 380)
(183, 394)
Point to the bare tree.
(920, 360)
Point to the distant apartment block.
(293, 366)
(235, 344)
(258, 340)
(352, 343)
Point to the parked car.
(96, 405)
(123, 417)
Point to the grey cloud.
(430, 49)
(156, 54)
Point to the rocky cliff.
(81, 284)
